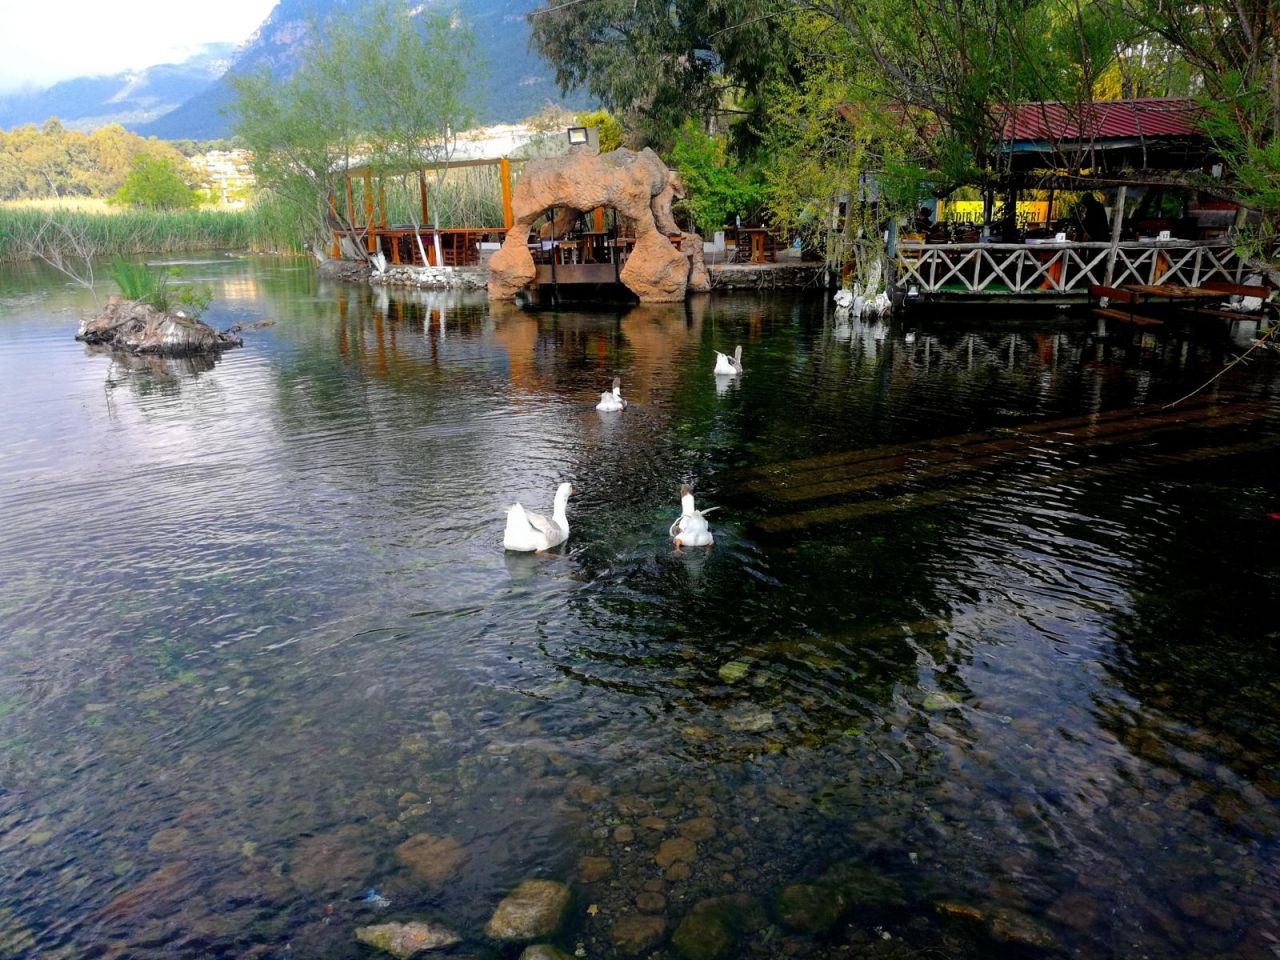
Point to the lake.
(983, 662)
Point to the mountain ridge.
(189, 101)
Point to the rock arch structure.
(639, 186)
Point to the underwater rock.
(332, 862)
(712, 928)
(594, 869)
(733, 670)
(140, 328)
(749, 720)
(650, 901)
(1013, 927)
(405, 939)
(635, 933)
(809, 908)
(624, 834)
(544, 951)
(167, 886)
(432, 859)
(676, 850)
(533, 909)
(704, 935)
(936, 702)
(169, 840)
(863, 887)
(698, 829)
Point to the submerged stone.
(432, 859)
(713, 928)
(405, 939)
(533, 909)
(544, 951)
(636, 933)
(809, 908)
(734, 670)
(676, 850)
(593, 869)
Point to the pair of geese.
(527, 531)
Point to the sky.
(41, 45)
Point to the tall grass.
(266, 226)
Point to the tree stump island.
(141, 328)
(640, 187)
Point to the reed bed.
(266, 226)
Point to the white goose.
(727, 366)
(612, 402)
(690, 528)
(532, 531)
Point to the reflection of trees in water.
(149, 375)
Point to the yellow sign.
(970, 211)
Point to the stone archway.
(637, 185)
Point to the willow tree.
(378, 85)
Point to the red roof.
(1105, 119)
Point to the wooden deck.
(1062, 271)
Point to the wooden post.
(351, 204)
(370, 239)
(382, 203)
(599, 219)
(1117, 216)
(504, 168)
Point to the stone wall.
(433, 278)
(769, 276)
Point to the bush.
(716, 192)
(151, 286)
(155, 183)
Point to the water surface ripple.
(982, 663)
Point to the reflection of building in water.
(239, 288)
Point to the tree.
(657, 64)
(608, 126)
(156, 183)
(1233, 47)
(379, 84)
(716, 192)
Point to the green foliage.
(263, 227)
(716, 192)
(379, 84)
(136, 280)
(50, 161)
(655, 65)
(155, 287)
(155, 183)
(609, 126)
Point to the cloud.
(41, 45)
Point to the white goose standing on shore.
(611, 401)
(727, 366)
(690, 528)
(528, 532)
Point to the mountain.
(514, 82)
(127, 98)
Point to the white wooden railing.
(1061, 269)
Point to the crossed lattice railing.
(1062, 268)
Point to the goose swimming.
(611, 401)
(528, 531)
(727, 366)
(690, 529)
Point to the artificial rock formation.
(638, 186)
